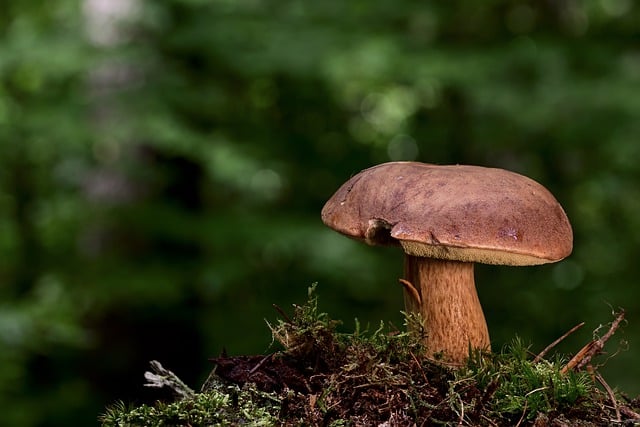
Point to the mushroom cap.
(458, 212)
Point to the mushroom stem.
(450, 308)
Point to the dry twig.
(282, 313)
(408, 286)
(614, 402)
(631, 414)
(593, 348)
(556, 342)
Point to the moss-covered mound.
(380, 378)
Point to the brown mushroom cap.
(462, 213)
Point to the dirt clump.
(322, 377)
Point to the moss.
(323, 377)
(219, 405)
(517, 388)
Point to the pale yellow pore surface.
(449, 305)
(481, 255)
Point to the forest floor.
(326, 378)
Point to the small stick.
(556, 342)
(489, 420)
(601, 341)
(408, 286)
(578, 357)
(611, 396)
(260, 363)
(282, 313)
(524, 410)
(593, 348)
(628, 412)
(415, 359)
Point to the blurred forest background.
(163, 166)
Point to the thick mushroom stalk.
(446, 218)
(444, 293)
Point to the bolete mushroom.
(446, 218)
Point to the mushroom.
(446, 218)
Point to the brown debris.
(593, 348)
(321, 379)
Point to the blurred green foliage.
(163, 166)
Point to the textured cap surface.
(463, 213)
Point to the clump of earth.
(322, 377)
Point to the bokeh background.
(163, 166)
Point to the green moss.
(219, 406)
(523, 388)
(324, 377)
